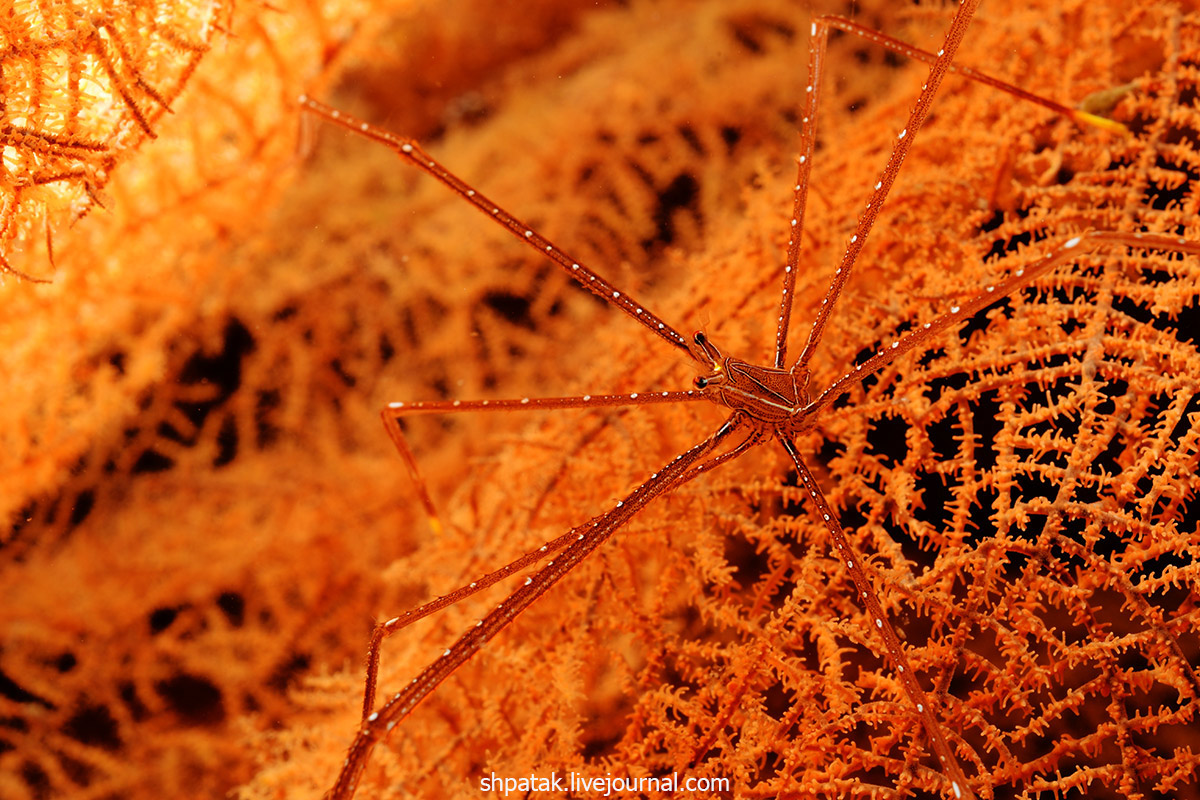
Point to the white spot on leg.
(1072, 242)
(957, 791)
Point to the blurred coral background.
(205, 308)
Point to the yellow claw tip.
(1104, 123)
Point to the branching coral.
(210, 515)
(80, 85)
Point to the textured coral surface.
(203, 516)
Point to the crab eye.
(699, 338)
(701, 382)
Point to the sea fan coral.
(80, 86)
(207, 514)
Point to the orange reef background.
(202, 516)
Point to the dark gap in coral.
(289, 672)
(169, 432)
(233, 606)
(223, 370)
(1159, 194)
(992, 223)
(979, 523)
(1003, 247)
(93, 725)
(680, 194)
(266, 401)
(227, 441)
(76, 771)
(137, 709)
(949, 385)
(828, 451)
(1183, 426)
(21, 520)
(688, 134)
(386, 349)
(514, 308)
(731, 135)
(931, 355)
(348, 380)
(776, 702)
(750, 563)
(151, 461)
(1187, 328)
(13, 691)
(600, 747)
(162, 618)
(751, 32)
(744, 37)
(936, 494)
(84, 502)
(943, 436)
(36, 780)
(982, 319)
(886, 439)
(1160, 565)
(196, 699)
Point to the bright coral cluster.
(206, 516)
